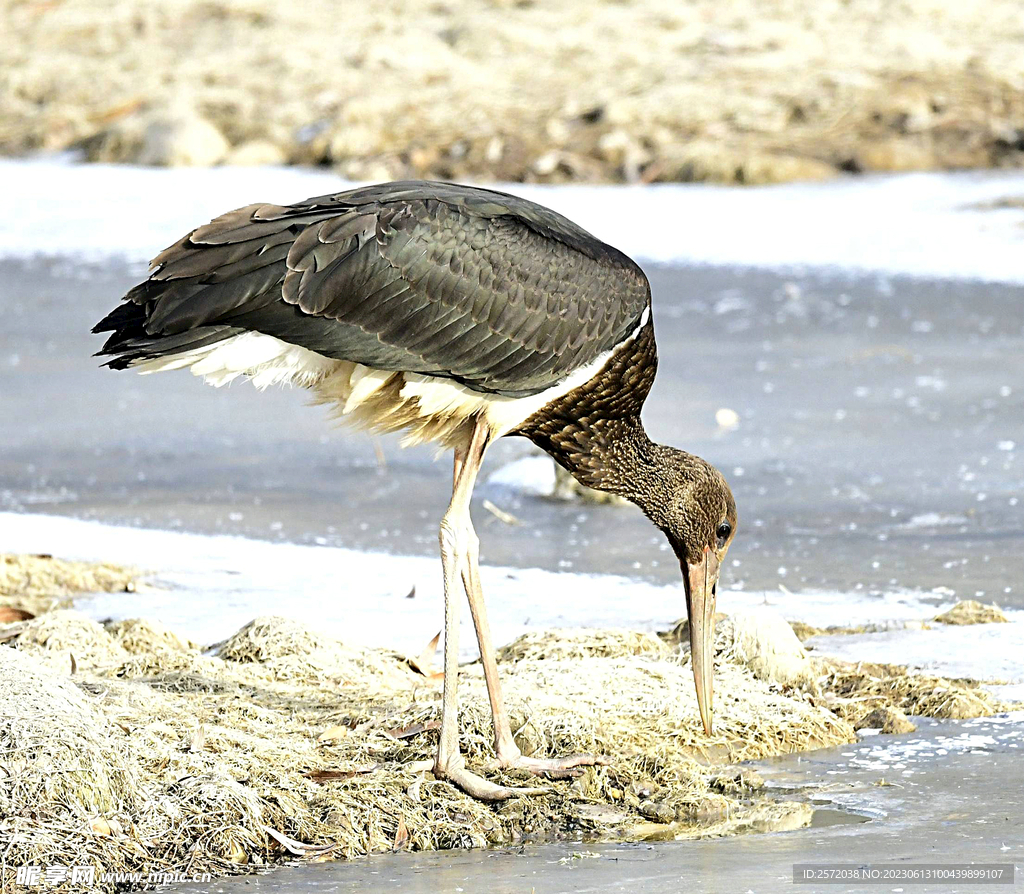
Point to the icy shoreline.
(205, 587)
(960, 226)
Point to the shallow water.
(879, 445)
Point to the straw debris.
(283, 742)
(37, 583)
(970, 611)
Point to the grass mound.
(970, 611)
(33, 584)
(193, 757)
(147, 752)
(855, 689)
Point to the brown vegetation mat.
(854, 690)
(520, 90)
(970, 611)
(127, 747)
(31, 584)
(967, 611)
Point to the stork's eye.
(723, 532)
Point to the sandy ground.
(525, 90)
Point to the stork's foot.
(553, 767)
(482, 789)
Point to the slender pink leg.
(456, 533)
(508, 753)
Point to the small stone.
(256, 153)
(896, 154)
(600, 814)
(769, 167)
(891, 721)
(185, 140)
(547, 163)
(738, 781)
(658, 812)
(354, 141)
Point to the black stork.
(459, 315)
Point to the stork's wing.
(490, 290)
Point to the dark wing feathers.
(488, 289)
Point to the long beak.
(701, 581)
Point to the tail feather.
(129, 343)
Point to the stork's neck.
(595, 432)
(613, 455)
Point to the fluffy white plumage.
(428, 408)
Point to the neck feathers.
(617, 456)
(595, 432)
(605, 454)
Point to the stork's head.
(697, 513)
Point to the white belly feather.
(428, 408)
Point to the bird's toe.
(478, 787)
(553, 767)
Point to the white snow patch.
(940, 225)
(933, 520)
(533, 475)
(211, 586)
(977, 651)
(761, 639)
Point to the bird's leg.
(508, 754)
(455, 537)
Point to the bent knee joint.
(454, 535)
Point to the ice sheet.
(207, 587)
(940, 225)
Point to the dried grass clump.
(291, 651)
(151, 648)
(67, 779)
(568, 644)
(36, 583)
(55, 738)
(854, 689)
(67, 638)
(196, 756)
(140, 636)
(267, 638)
(970, 611)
